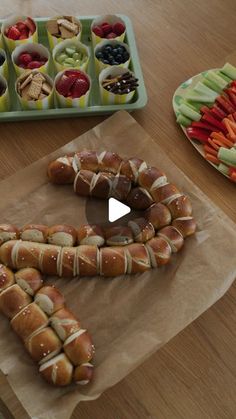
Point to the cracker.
(39, 77)
(52, 27)
(71, 27)
(35, 90)
(65, 33)
(25, 93)
(46, 88)
(24, 75)
(26, 81)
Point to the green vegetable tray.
(95, 107)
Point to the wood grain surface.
(194, 375)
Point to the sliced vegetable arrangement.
(207, 113)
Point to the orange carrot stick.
(212, 158)
(230, 128)
(223, 140)
(210, 150)
(210, 141)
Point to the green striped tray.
(95, 106)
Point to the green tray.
(95, 107)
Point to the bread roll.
(185, 225)
(50, 259)
(180, 207)
(118, 235)
(62, 235)
(113, 261)
(137, 258)
(159, 251)
(165, 193)
(8, 232)
(82, 182)
(27, 254)
(87, 260)
(60, 171)
(79, 348)
(121, 186)
(12, 300)
(67, 262)
(6, 278)
(83, 374)
(29, 279)
(64, 323)
(173, 237)
(159, 215)
(90, 234)
(101, 185)
(34, 233)
(57, 371)
(43, 345)
(28, 321)
(6, 253)
(132, 167)
(49, 299)
(85, 160)
(151, 178)
(139, 198)
(142, 229)
(109, 162)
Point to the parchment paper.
(128, 317)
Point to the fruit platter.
(205, 108)
(68, 66)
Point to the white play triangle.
(116, 209)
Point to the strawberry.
(30, 25)
(107, 28)
(118, 28)
(79, 88)
(76, 73)
(13, 33)
(111, 35)
(98, 31)
(24, 35)
(21, 26)
(25, 58)
(64, 85)
(35, 64)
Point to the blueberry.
(115, 62)
(115, 51)
(119, 58)
(110, 57)
(99, 55)
(2, 59)
(125, 56)
(120, 50)
(108, 48)
(105, 61)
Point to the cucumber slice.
(212, 85)
(196, 97)
(228, 156)
(223, 168)
(219, 81)
(187, 111)
(228, 79)
(229, 70)
(183, 120)
(205, 91)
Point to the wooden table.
(194, 375)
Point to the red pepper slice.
(202, 125)
(198, 134)
(218, 112)
(232, 96)
(215, 122)
(204, 109)
(225, 104)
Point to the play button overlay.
(116, 209)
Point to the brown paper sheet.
(129, 317)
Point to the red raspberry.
(118, 28)
(111, 35)
(13, 33)
(25, 58)
(35, 64)
(107, 28)
(98, 31)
